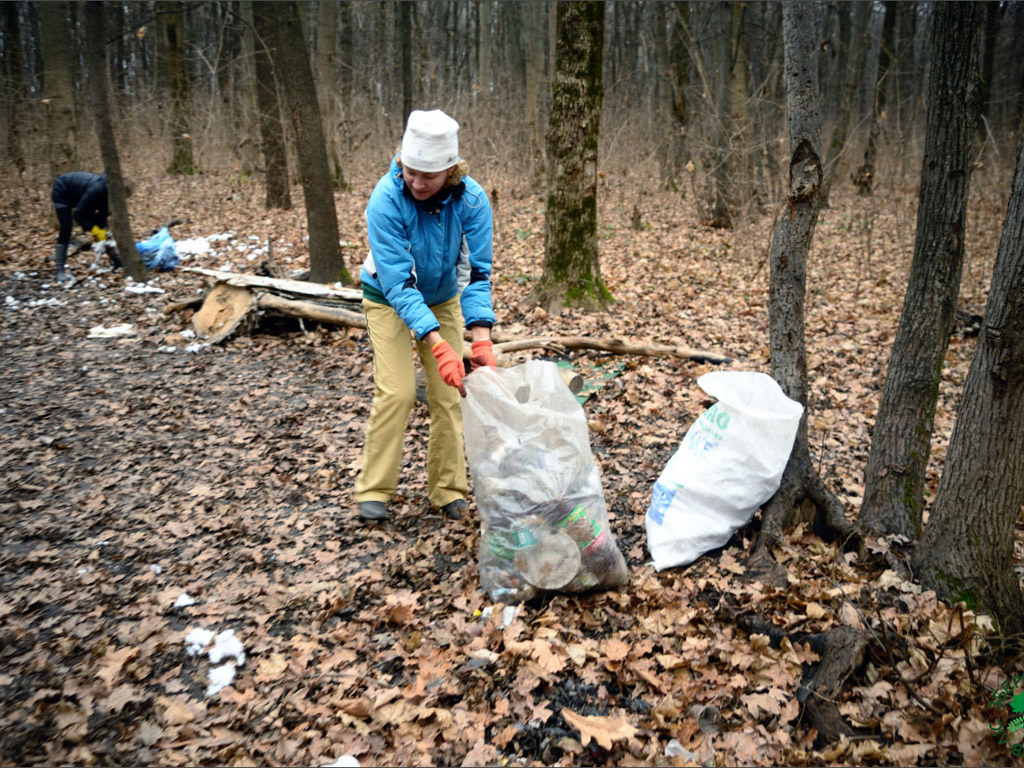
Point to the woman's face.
(424, 185)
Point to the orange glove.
(449, 365)
(482, 354)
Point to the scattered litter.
(675, 749)
(83, 570)
(188, 333)
(225, 645)
(197, 640)
(116, 331)
(143, 288)
(220, 678)
(345, 761)
(10, 301)
(184, 600)
(156, 568)
(168, 349)
(194, 348)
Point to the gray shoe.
(453, 509)
(63, 277)
(373, 511)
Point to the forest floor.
(147, 492)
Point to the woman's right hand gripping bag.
(729, 463)
(544, 524)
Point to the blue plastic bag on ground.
(159, 253)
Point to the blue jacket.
(419, 259)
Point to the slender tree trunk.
(485, 48)
(864, 177)
(14, 82)
(724, 172)
(173, 13)
(248, 105)
(291, 64)
(534, 39)
(96, 64)
(966, 552)
(327, 87)
(901, 441)
(58, 86)
(271, 129)
(572, 270)
(405, 45)
(791, 241)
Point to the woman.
(428, 272)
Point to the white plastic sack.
(544, 524)
(729, 463)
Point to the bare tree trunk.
(791, 241)
(96, 58)
(405, 45)
(291, 64)
(248, 109)
(901, 441)
(14, 81)
(572, 270)
(327, 87)
(533, 33)
(271, 130)
(173, 12)
(58, 86)
(966, 552)
(485, 49)
(864, 176)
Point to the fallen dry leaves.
(133, 476)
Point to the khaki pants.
(394, 395)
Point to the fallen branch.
(613, 345)
(310, 310)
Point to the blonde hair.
(455, 175)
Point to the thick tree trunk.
(58, 86)
(901, 441)
(173, 15)
(572, 270)
(966, 552)
(291, 65)
(96, 64)
(791, 241)
(271, 129)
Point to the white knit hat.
(431, 141)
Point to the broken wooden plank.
(226, 308)
(280, 285)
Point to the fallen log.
(310, 310)
(269, 297)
